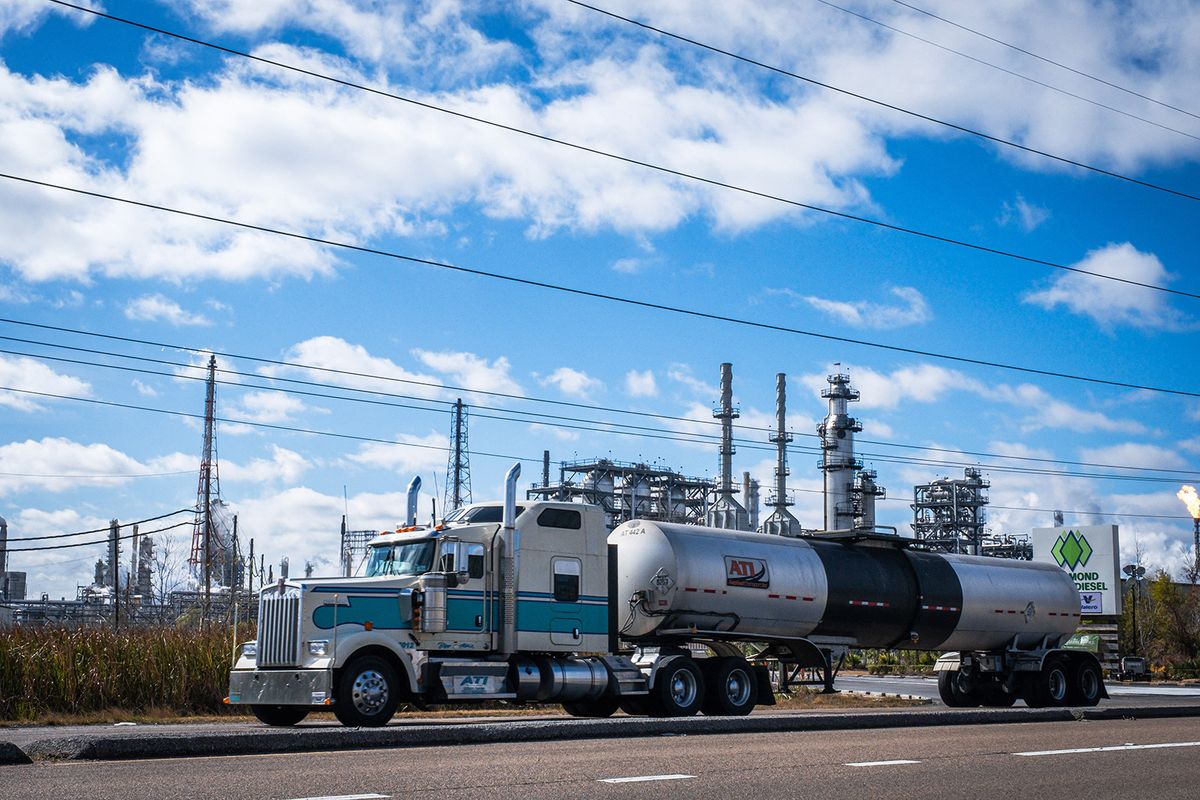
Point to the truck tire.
(1049, 687)
(678, 689)
(1086, 684)
(635, 706)
(730, 687)
(952, 693)
(602, 707)
(279, 716)
(367, 693)
(994, 696)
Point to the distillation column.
(781, 522)
(838, 462)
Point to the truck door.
(465, 602)
(566, 617)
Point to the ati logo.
(751, 572)
(1071, 551)
(473, 681)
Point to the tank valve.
(914, 637)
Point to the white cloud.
(371, 372)
(628, 266)
(268, 407)
(572, 382)
(471, 371)
(415, 454)
(1134, 454)
(913, 309)
(682, 374)
(924, 383)
(34, 376)
(145, 390)
(284, 466)
(1111, 303)
(57, 456)
(1024, 214)
(157, 308)
(641, 383)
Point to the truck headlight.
(250, 649)
(318, 647)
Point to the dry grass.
(46, 672)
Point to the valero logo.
(750, 572)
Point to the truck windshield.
(409, 558)
(480, 514)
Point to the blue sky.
(99, 106)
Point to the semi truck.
(537, 602)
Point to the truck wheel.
(952, 693)
(1050, 687)
(994, 696)
(603, 707)
(279, 716)
(678, 689)
(635, 706)
(367, 693)
(730, 688)
(1086, 684)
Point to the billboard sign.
(1090, 555)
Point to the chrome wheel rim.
(737, 688)
(1056, 682)
(683, 688)
(369, 692)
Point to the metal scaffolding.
(629, 491)
(948, 514)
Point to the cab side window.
(560, 518)
(566, 579)
(475, 560)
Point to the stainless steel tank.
(675, 578)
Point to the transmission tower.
(208, 488)
(458, 466)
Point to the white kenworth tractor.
(537, 603)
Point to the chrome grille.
(279, 628)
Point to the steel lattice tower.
(458, 466)
(208, 487)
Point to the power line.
(682, 311)
(647, 433)
(102, 530)
(535, 415)
(92, 476)
(1005, 70)
(645, 164)
(883, 104)
(1047, 60)
(97, 541)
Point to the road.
(1131, 694)
(1118, 758)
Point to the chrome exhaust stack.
(509, 542)
(414, 489)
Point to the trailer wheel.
(995, 696)
(367, 693)
(1086, 684)
(678, 690)
(635, 706)
(279, 716)
(1050, 687)
(730, 687)
(952, 692)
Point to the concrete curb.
(294, 740)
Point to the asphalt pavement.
(1121, 694)
(1112, 758)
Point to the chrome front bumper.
(280, 687)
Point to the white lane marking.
(1109, 749)
(881, 763)
(347, 797)
(637, 778)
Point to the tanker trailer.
(1000, 622)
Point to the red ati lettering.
(746, 572)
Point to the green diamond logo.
(1071, 551)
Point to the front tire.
(678, 689)
(367, 693)
(279, 716)
(730, 688)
